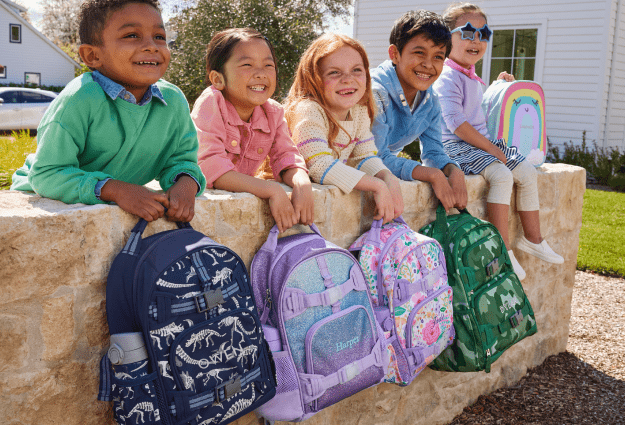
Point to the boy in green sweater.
(113, 130)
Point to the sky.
(34, 10)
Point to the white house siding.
(572, 72)
(615, 94)
(33, 54)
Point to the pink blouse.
(229, 143)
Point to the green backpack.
(491, 310)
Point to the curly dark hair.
(94, 14)
(417, 22)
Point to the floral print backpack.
(407, 279)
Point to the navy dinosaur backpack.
(187, 346)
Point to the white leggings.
(500, 179)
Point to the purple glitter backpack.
(319, 322)
(412, 300)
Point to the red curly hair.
(308, 83)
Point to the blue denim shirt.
(115, 90)
(397, 125)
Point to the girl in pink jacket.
(239, 126)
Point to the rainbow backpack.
(516, 112)
(407, 277)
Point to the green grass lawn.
(13, 151)
(602, 237)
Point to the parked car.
(22, 108)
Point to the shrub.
(56, 89)
(605, 165)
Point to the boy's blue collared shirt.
(398, 124)
(115, 90)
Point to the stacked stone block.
(54, 260)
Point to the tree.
(290, 25)
(60, 21)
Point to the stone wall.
(54, 259)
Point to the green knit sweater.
(85, 137)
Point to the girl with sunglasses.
(467, 142)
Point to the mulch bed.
(585, 384)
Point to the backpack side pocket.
(286, 404)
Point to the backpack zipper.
(387, 247)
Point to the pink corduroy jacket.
(229, 143)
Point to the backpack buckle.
(332, 295)
(516, 319)
(347, 373)
(230, 388)
(493, 267)
(207, 300)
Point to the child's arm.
(401, 167)
(135, 199)
(279, 203)
(384, 205)
(455, 176)
(365, 152)
(310, 128)
(184, 159)
(440, 185)
(182, 199)
(288, 165)
(392, 183)
(470, 135)
(302, 197)
(438, 169)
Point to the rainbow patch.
(516, 112)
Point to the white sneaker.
(516, 266)
(541, 250)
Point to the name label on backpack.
(340, 346)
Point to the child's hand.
(182, 199)
(281, 208)
(498, 153)
(443, 190)
(303, 203)
(505, 76)
(459, 187)
(135, 199)
(392, 183)
(384, 204)
(302, 197)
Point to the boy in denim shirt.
(409, 110)
(113, 130)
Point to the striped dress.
(474, 160)
(354, 151)
(460, 95)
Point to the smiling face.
(418, 65)
(467, 52)
(133, 51)
(344, 80)
(249, 77)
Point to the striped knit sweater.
(356, 150)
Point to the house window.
(15, 31)
(3, 71)
(513, 51)
(32, 78)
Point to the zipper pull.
(268, 302)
